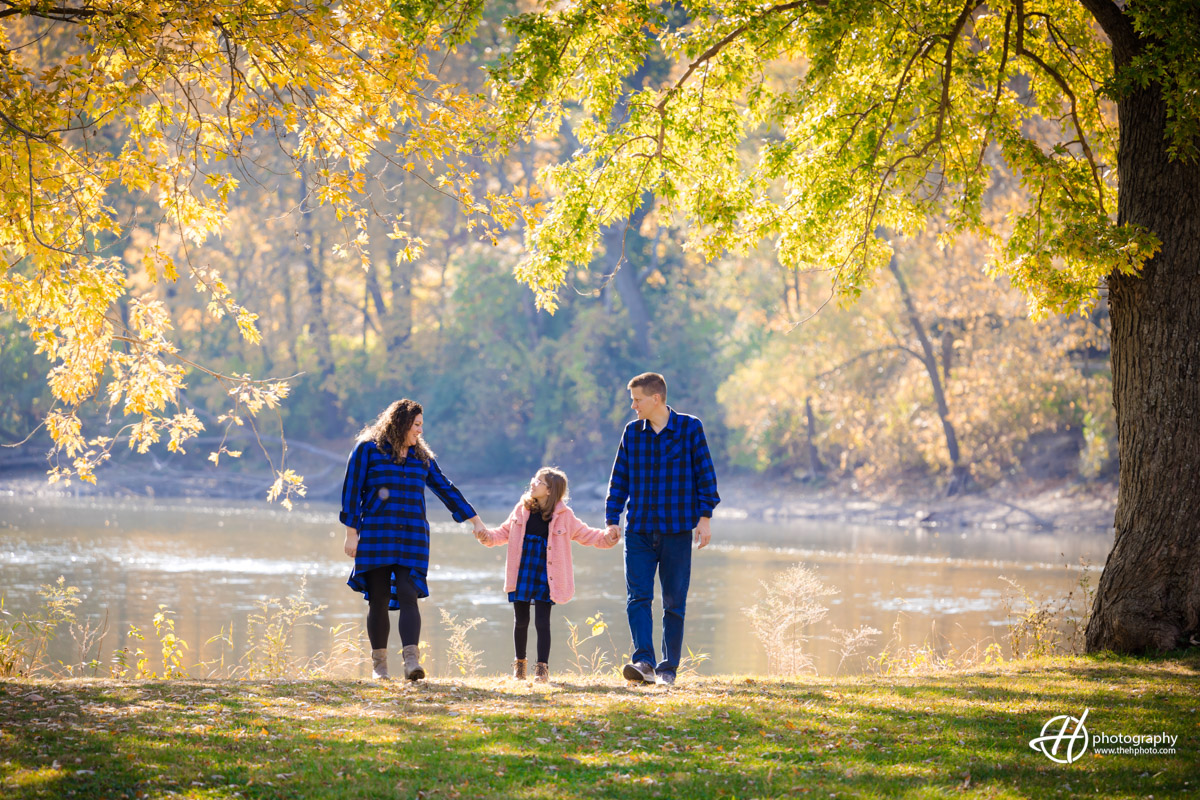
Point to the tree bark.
(1148, 597)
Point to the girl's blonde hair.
(556, 484)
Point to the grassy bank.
(951, 735)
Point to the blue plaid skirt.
(533, 584)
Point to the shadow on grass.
(962, 735)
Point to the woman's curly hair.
(392, 428)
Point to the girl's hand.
(351, 545)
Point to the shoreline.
(1036, 505)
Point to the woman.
(387, 535)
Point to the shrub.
(787, 606)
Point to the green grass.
(964, 734)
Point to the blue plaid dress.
(385, 502)
(533, 583)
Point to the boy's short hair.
(650, 383)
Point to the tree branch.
(947, 65)
(1000, 75)
(59, 14)
(711, 52)
(892, 348)
(1117, 26)
(1056, 76)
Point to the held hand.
(479, 529)
(703, 534)
(351, 545)
(612, 534)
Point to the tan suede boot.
(412, 663)
(519, 669)
(379, 664)
(541, 672)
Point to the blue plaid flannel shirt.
(385, 502)
(666, 477)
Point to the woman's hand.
(479, 529)
(351, 544)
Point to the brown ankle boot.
(379, 664)
(541, 672)
(519, 669)
(412, 663)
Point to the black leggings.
(541, 621)
(379, 593)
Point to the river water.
(212, 563)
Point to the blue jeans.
(671, 556)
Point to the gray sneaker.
(665, 678)
(638, 672)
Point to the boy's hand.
(612, 534)
(481, 535)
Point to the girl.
(387, 535)
(539, 532)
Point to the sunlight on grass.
(33, 778)
(952, 735)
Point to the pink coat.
(564, 527)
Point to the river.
(211, 564)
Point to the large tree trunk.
(1148, 598)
